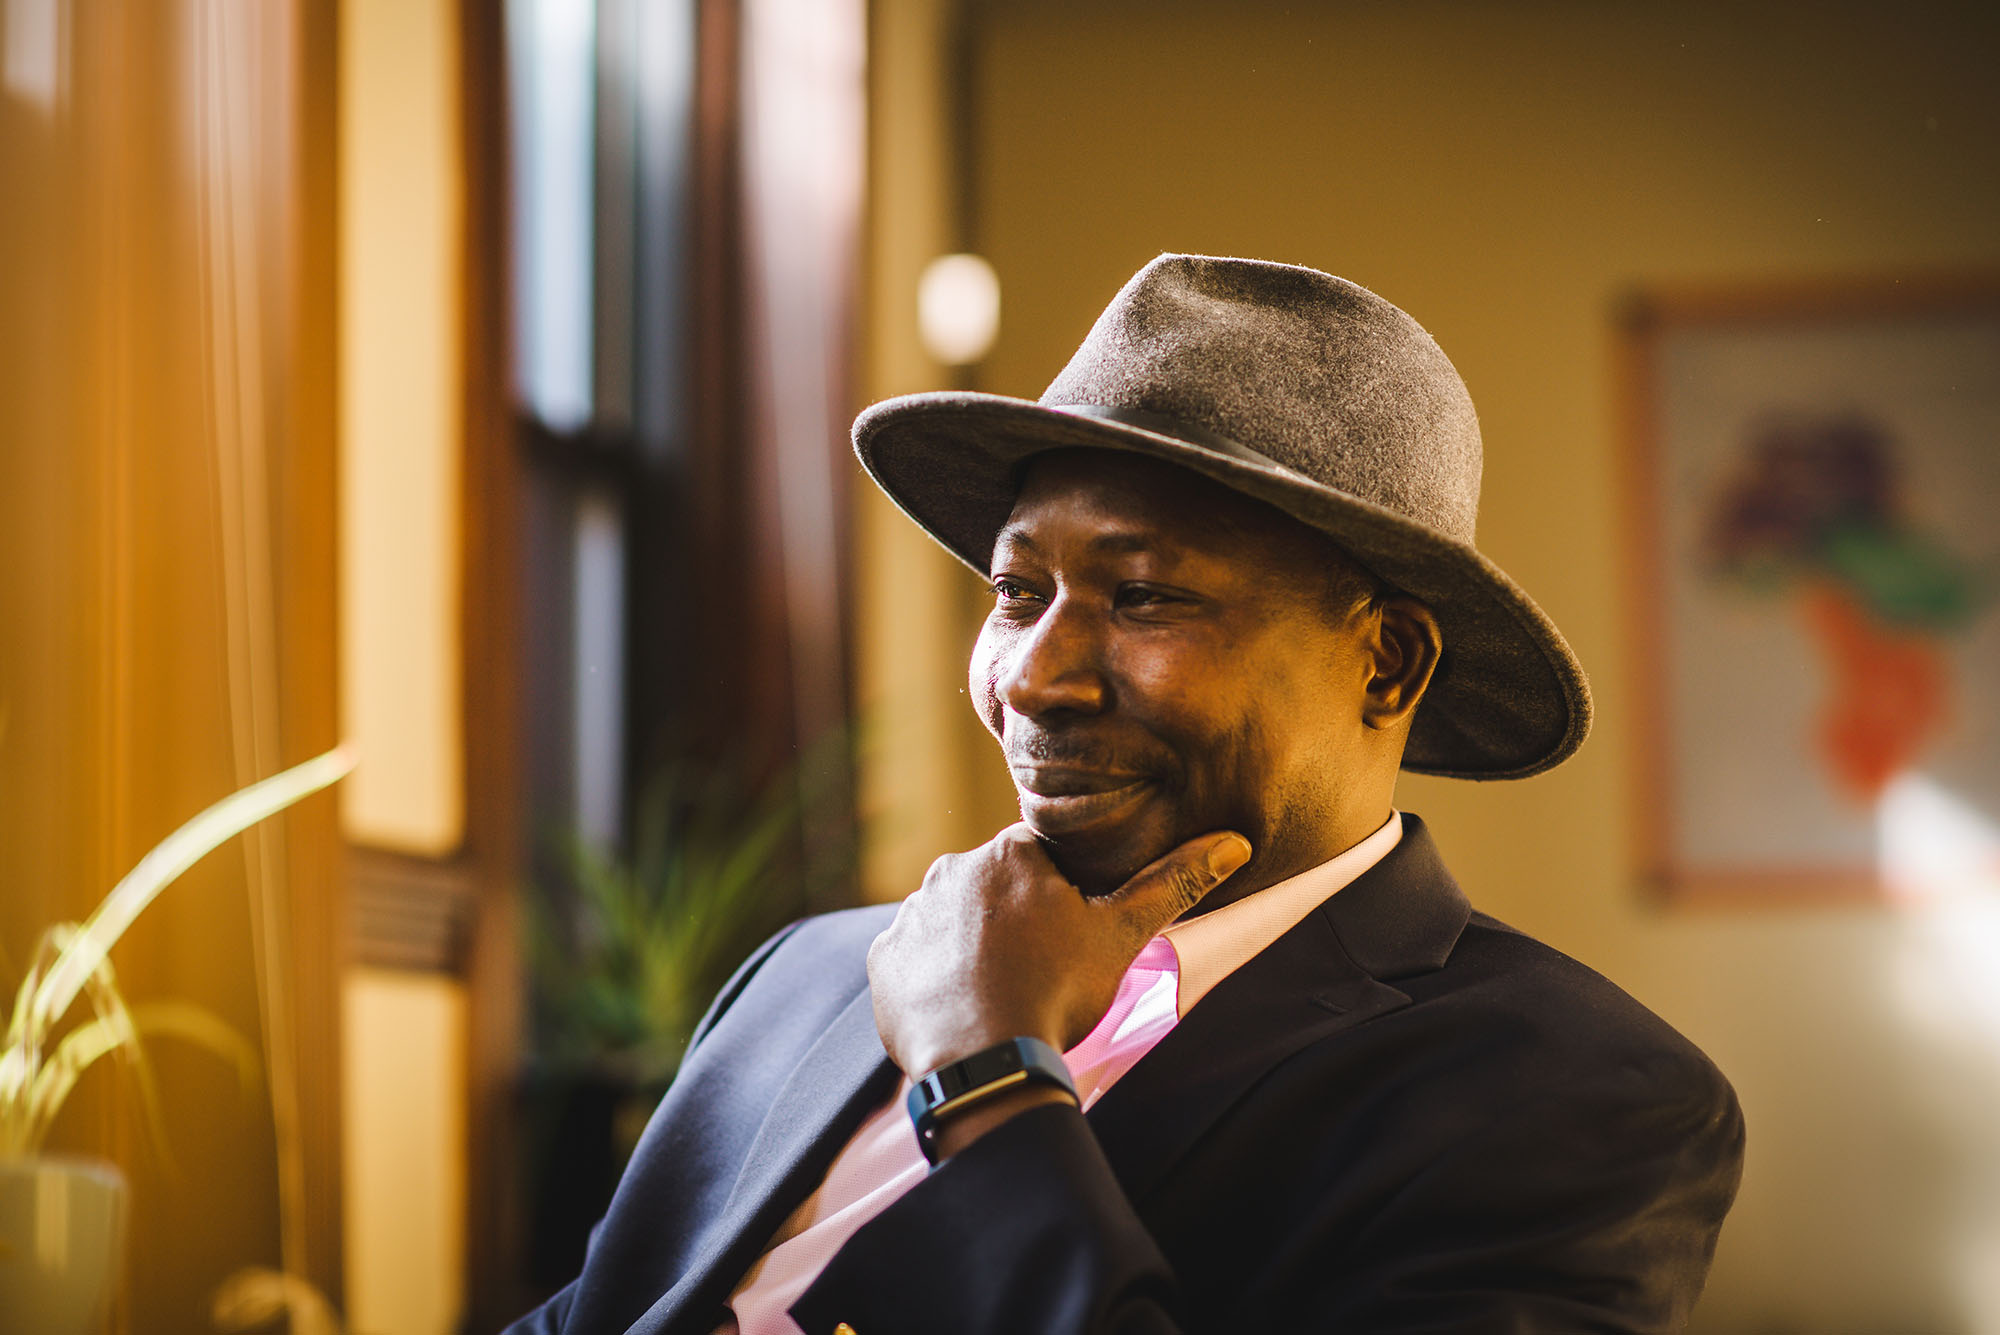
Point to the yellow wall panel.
(405, 1136)
(401, 421)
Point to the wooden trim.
(1646, 310)
(1748, 890)
(722, 545)
(495, 820)
(587, 456)
(1652, 821)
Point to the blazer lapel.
(842, 1078)
(1324, 975)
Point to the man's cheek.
(982, 685)
(1205, 777)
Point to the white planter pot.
(62, 1234)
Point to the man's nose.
(1057, 667)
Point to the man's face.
(1163, 659)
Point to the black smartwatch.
(971, 1080)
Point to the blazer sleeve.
(1024, 1230)
(549, 1318)
(1592, 1208)
(733, 988)
(552, 1317)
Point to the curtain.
(166, 599)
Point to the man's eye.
(1140, 596)
(1009, 591)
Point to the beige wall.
(1505, 172)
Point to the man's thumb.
(1178, 880)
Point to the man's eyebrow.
(1124, 542)
(1013, 535)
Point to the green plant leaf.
(165, 862)
(25, 1039)
(72, 960)
(625, 951)
(109, 1004)
(58, 1075)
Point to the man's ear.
(1405, 643)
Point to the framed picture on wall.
(1814, 492)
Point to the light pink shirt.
(1174, 971)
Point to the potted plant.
(625, 951)
(62, 1219)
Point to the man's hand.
(997, 945)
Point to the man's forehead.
(1109, 540)
(1126, 503)
(1114, 482)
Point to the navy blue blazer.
(1402, 1116)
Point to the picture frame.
(1812, 506)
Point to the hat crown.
(1314, 372)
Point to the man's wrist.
(957, 1132)
(997, 1072)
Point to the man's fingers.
(1165, 889)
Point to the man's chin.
(1098, 862)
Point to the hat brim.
(1508, 699)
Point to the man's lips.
(1058, 800)
(1071, 780)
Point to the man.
(1302, 1086)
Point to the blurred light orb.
(958, 308)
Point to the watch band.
(961, 1084)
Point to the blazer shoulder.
(847, 930)
(827, 953)
(838, 942)
(1523, 997)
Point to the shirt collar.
(1216, 944)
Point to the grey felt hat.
(1308, 393)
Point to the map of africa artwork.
(1815, 499)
